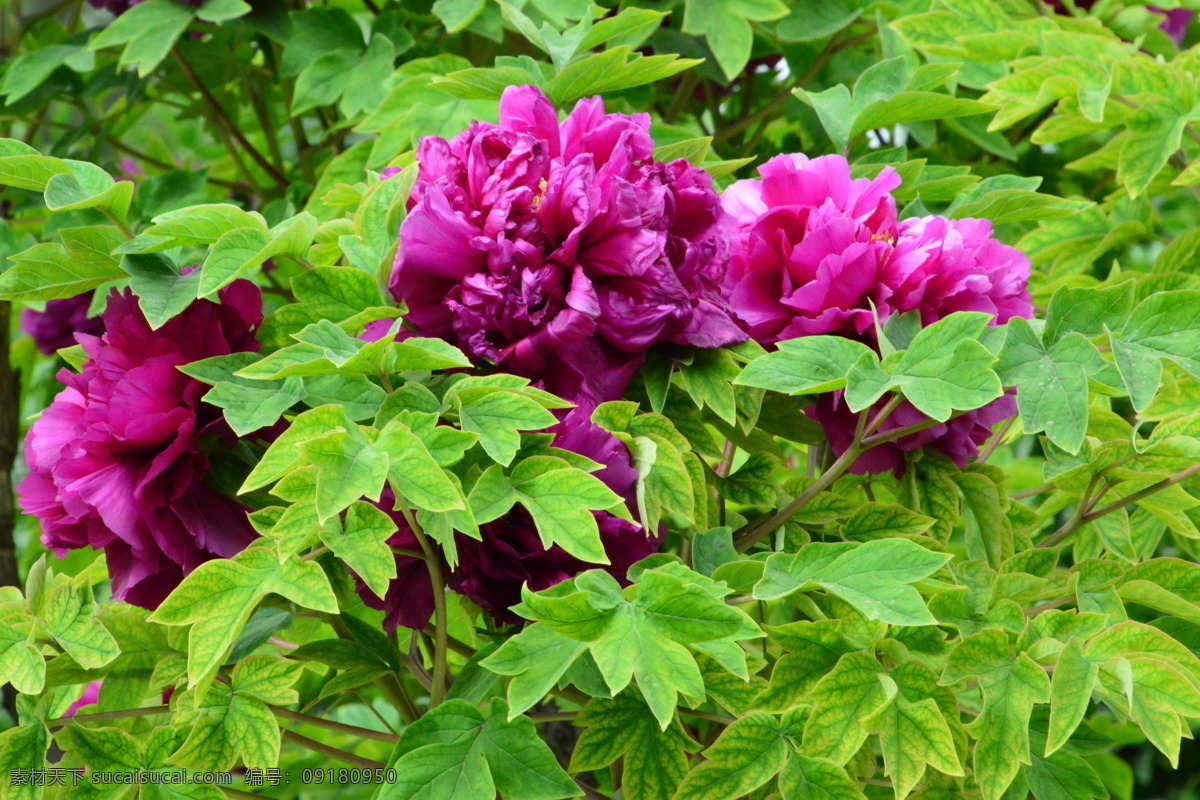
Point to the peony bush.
(696, 400)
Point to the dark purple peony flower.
(819, 252)
(119, 7)
(562, 252)
(960, 438)
(492, 570)
(55, 328)
(409, 598)
(117, 462)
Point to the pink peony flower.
(562, 252)
(491, 571)
(55, 328)
(90, 697)
(118, 460)
(819, 252)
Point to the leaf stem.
(438, 692)
(274, 172)
(328, 724)
(332, 752)
(105, 716)
(1083, 516)
(863, 441)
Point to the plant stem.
(328, 724)
(332, 752)
(104, 716)
(1083, 516)
(238, 794)
(994, 442)
(863, 441)
(1049, 487)
(274, 172)
(438, 692)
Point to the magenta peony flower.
(1175, 20)
(562, 252)
(117, 462)
(819, 252)
(90, 697)
(491, 571)
(55, 328)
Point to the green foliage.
(1021, 625)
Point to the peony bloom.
(55, 328)
(492, 570)
(562, 252)
(959, 438)
(409, 598)
(819, 252)
(119, 7)
(90, 697)
(118, 460)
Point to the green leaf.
(1164, 325)
(456, 15)
(413, 471)
(914, 107)
(69, 615)
(1154, 133)
(232, 724)
(23, 747)
(1070, 694)
(536, 659)
(877, 521)
(913, 731)
(21, 663)
(347, 469)
(284, 454)
(223, 10)
(148, 31)
(843, 701)
(806, 778)
(708, 380)
(219, 596)
(1011, 686)
(85, 185)
(643, 637)
(455, 752)
(812, 650)
(242, 249)
(28, 71)
(361, 541)
(874, 577)
(162, 290)
(655, 761)
(808, 365)
(1052, 382)
(725, 24)
(247, 405)
(749, 752)
(498, 417)
(561, 501)
(50, 272)
(946, 368)
(1063, 776)
(1168, 585)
